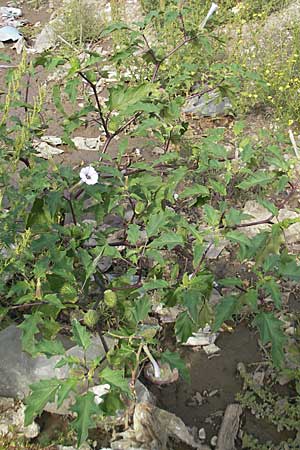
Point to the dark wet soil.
(217, 382)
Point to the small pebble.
(202, 434)
(214, 440)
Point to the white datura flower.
(212, 10)
(88, 175)
(99, 391)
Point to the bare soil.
(217, 381)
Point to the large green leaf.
(155, 223)
(29, 329)
(250, 298)
(169, 240)
(290, 269)
(270, 329)
(192, 299)
(184, 327)
(42, 392)
(39, 214)
(234, 217)
(50, 347)
(225, 310)
(240, 238)
(155, 284)
(141, 309)
(260, 178)
(85, 408)
(195, 190)
(80, 335)
(116, 378)
(212, 216)
(272, 288)
(121, 97)
(175, 361)
(133, 233)
(65, 388)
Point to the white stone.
(52, 140)
(202, 434)
(211, 349)
(202, 337)
(46, 151)
(87, 144)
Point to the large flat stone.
(18, 369)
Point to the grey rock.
(210, 104)
(45, 39)
(256, 212)
(143, 394)
(292, 233)
(9, 11)
(9, 33)
(18, 369)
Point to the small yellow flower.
(290, 122)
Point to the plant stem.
(201, 260)
(69, 200)
(94, 89)
(174, 50)
(156, 368)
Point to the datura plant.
(91, 251)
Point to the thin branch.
(119, 131)
(271, 217)
(256, 222)
(68, 198)
(182, 24)
(202, 260)
(27, 305)
(168, 55)
(206, 91)
(128, 286)
(168, 141)
(94, 89)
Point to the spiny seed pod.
(110, 298)
(139, 207)
(90, 318)
(69, 293)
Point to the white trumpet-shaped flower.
(212, 10)
(88, 175)
(99, 391)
